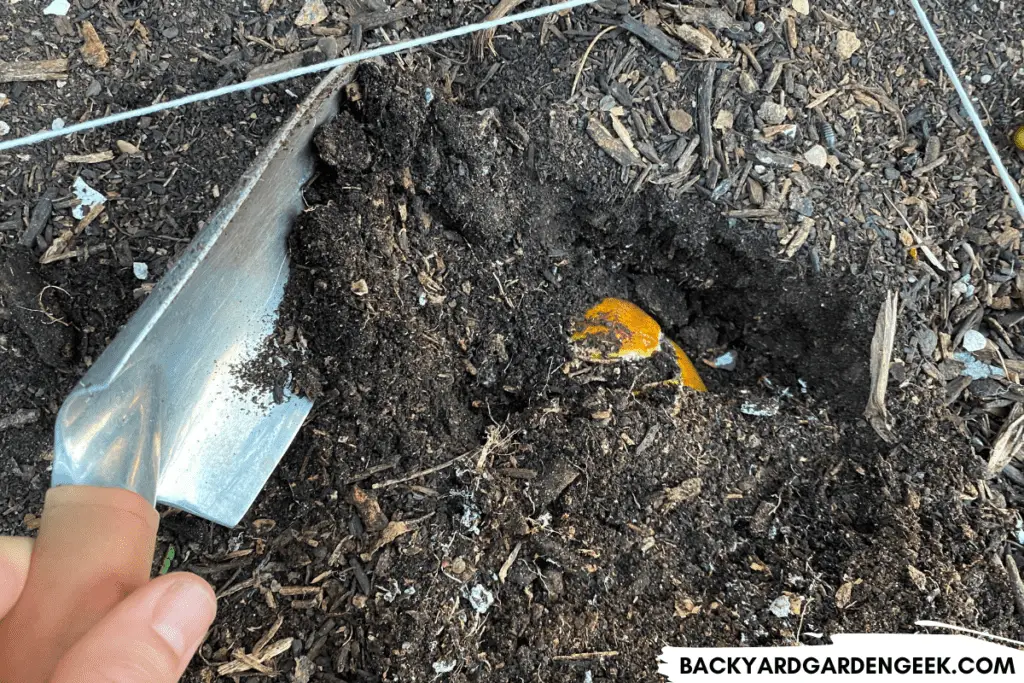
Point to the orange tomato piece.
(631, 334)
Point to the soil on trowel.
(482, 499)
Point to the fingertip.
(184, 611)
(150, 637)
(15, 557)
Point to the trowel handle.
(95, 547)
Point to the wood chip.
(374, 20)
(507, 565)
(1008, 442)
(611, 145)
(653, 37)
(366, 505)
(393, 531)
(693, 38)
(881, 355)
(311, 14)
(93, 52)
(675, 495)
(712, 17)
(19, 418)
(482, 40)
(43, 70)
(94, 158)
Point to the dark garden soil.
(473, 497)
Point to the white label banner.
(851, 657)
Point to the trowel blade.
(162, 411)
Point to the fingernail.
(183, 614)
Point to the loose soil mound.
(518, 509)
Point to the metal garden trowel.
(160, 417)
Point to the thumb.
(15, 553)
(148, 638)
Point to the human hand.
(150, 636)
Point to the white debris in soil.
(428, 95)
(780, 607)
(4, 128)
(471, 518)
(727, 361)
(87, 198)
(976, 369)
(974, 341)
(141, 270)
(480, 598)
(760, 409)
(57, 124)
(58, 8)
(445, 666)
(588, 677)
(816, 156)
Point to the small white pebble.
(760, 27)
(974, 341)
(58, 8)
(986, 79)
(141, 270)
(5, 128)
(58, 124)
(781, 607)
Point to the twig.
(704, 114)
(881, 355)
(584, 655)
(586, 54)
(1016, 585)
(423, 473)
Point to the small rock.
(680, 120)
(727, 361)
(847, 43)
(802, 205)
(723, 121)
(57, 124)
(127, 147)
(360, 288)
(816, 156)
(747, 83)
(974, 341)
(5, 128)
(94, 88)
(311, 14)
(760, 28)
(170, 32)
(780, 607)
(140, 270)
(802, 6)
(890, 173)
(58, 8)
(329, 47)
(772, 113)
(986, 79)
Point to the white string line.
(1011, 185)
(294, 73)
